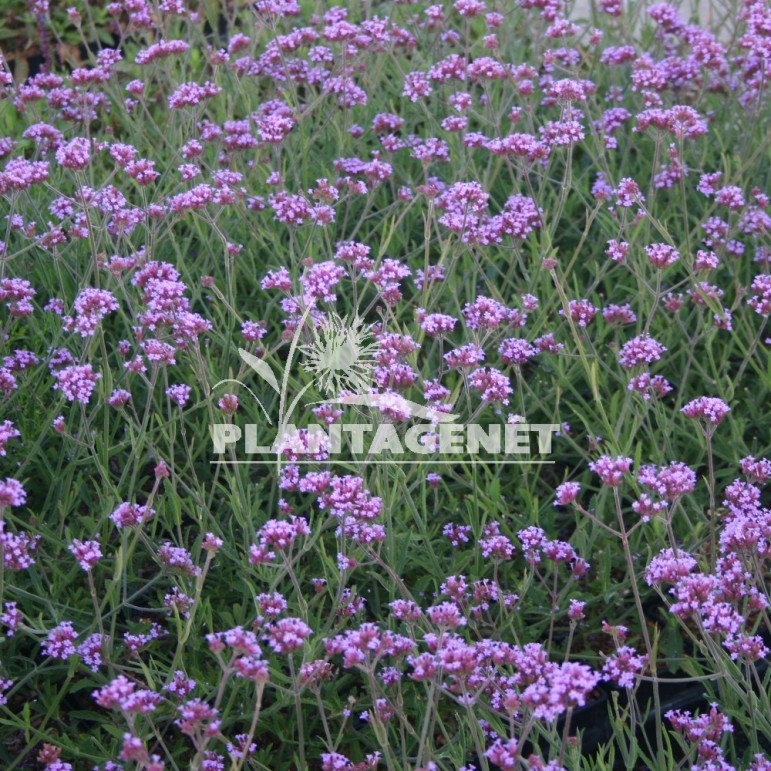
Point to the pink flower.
(17, 549)
(756, 470)
(670, 482)
(252, 668)
(59, 644)
(628, 193)
(760, 302)
(623, 665)
(466, 356)
(142, 170)
(485, 313)
(17, 294)
(91, 306)
(197, 717)
(503, 754)
(287, 635)
(90, 650)
(319, 281)
(566, 493)
(131, 514)
(77, 382)
(253, 331)
(640, 350)
(495, 386)
(75, 154)
(87, 553)
(611, 470)
(7, 432)
(516, 351)
(670, 567)
(730, 196)
(178, 559)
(647, 508)
(559, 688)
(436, 324)
(191, 94)
(617, 250)
(179, 394)
(707, 408)
(161, 50)
(446, 615)
(416, 86)
(119, 397)
(180, 685)
(228, 404)
(619, 314)
(212, 543)
(497, 547)
(20, 174)
(123, 694)
(11, 619)
(12, 493)
(662, 255)
(581, 311)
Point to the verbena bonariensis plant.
(538, 219)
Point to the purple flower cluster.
(399, 216)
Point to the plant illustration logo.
(341, 355)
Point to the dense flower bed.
(227, 222)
